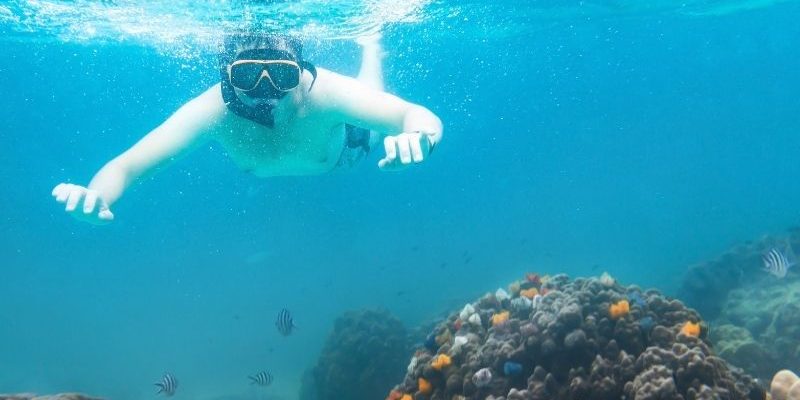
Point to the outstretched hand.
(405, 149)
(83, 204)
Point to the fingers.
(403, 149)
(105, 214)
(61, 192)
(390, 146)
(58, 189)
(93, 209)
(416, 149)
(89, 201)
(75, 196)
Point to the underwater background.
(579, 138)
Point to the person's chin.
(259, 102)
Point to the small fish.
(168, 385)
(777, 262)
(263, 378)
(285, 322)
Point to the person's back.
(275, 114)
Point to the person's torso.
(304, 144)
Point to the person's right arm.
(184, 130)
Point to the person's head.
(261, 66)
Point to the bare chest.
(299, 147)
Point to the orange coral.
(529, 293)
(499, 318)
(441, 361)
(395, 395)
(691, 329)
(424, 386)
(406, 397)
(619, 309)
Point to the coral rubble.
(566, 345)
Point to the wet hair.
(235, 43)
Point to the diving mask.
(247, 75)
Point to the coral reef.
(565, 345)
(706, 286)
(737, 345)
(759, 327)
(755, 317)
(62, 396)
(363, 355)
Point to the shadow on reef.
(755, 316)
(582, 339)
(363, 355)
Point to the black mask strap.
(312, 69)
(261, 113)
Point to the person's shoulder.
(212, 93)
(331, 85)
(210, 99)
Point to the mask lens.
(284, 76)
(245, 76)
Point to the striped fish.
(776, 262)
(168, 385)
(285, 323)
(263, 378)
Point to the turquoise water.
(605, 136)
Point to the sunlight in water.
(182, 27)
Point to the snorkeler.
(275, 114)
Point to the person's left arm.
(410, 131)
